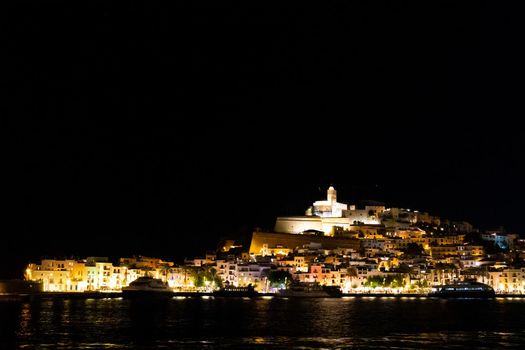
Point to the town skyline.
(354, 248)
(282, 226)
(267, 204)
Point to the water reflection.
(195, 323)
(26, 317)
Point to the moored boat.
(311, 290)
(230, 291)
(466, 289)
(147, 287)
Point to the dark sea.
(237, 323)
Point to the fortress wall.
(292, 241)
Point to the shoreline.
(116, 295)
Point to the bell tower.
(331, 195)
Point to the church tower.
(331, 195)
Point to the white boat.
(146, 287)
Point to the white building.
(58, 275)
(241, 275)
(329, 207)
(324, 216)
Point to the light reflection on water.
(220, 323)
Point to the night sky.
(156, 129)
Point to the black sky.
(156, 129)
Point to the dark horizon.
(159, 129)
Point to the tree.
(421, 283)
(188, 273)
(396, 281)
(198, 278)
(165, 271)
(374, 281)
(492, 248)
(352, 272)
(206, 276)
(279, 278)
(414, 249)
(210, 275)
(390, 280)
(473, 237)
(404, 268)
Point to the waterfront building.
(507, 280)
(248, 274)
(90, 274)
(58, 275)
(322, 275)
(443, 275)
(178, 278)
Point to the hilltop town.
(359, 248)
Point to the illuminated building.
(329, 207)
(507, 280)
(457, 250)
(445, 275)
(298, 263)
(144, 262)
(290, 241)
(245, 274)
(322, 275)
(92, 274)
(328, 215)
(275, 250)
(501, 239)
(58, 275)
